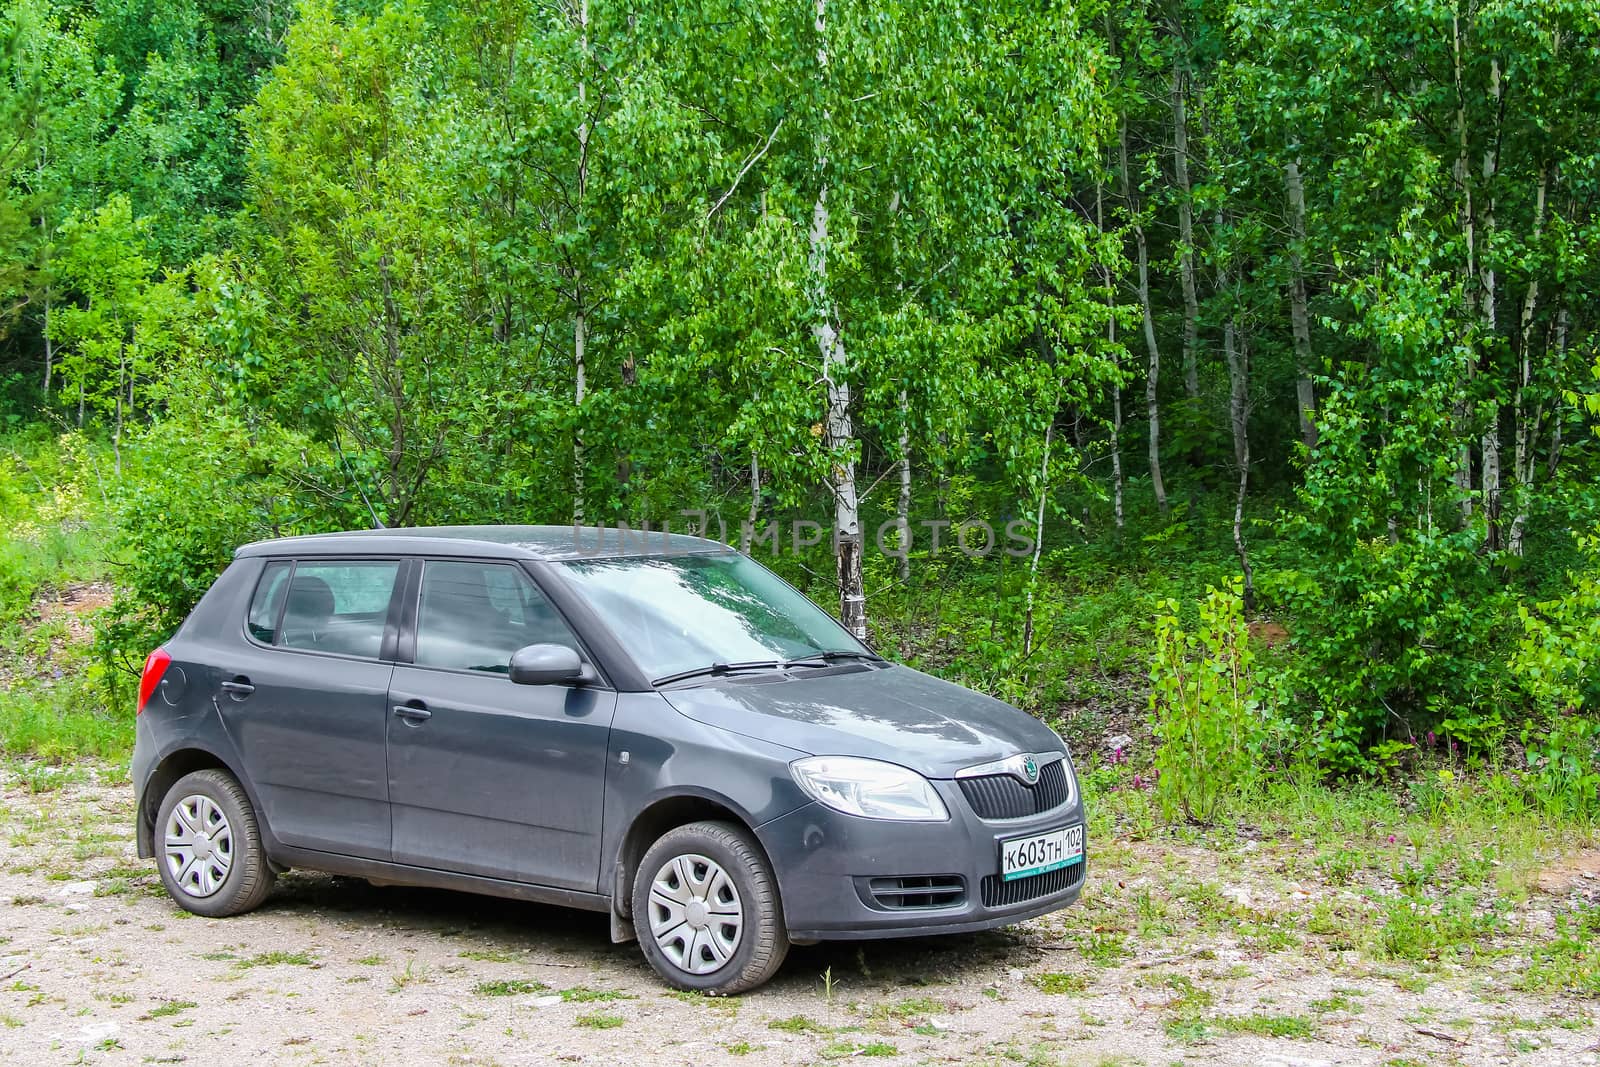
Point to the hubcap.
(198, 848)
(696, 916)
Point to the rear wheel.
(705, 905)
(209, 846)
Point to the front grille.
(915, 892)
(997, 892)
(1003, 796)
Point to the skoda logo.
(1030, 769)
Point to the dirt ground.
(97, 965)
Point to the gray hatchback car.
(655, 727)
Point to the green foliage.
(1205, 711)
(1557, 659)
(201, 486)
(1403, 636)
(322, 265)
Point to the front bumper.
(825, 862)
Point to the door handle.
(413, 715)
(238, 687)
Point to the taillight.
(154, 667)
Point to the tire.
(681, 866)
(227, 873)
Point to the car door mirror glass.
(547, 665)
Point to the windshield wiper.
(832, 655)
(816, 659)
(721, 668)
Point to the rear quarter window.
(267, 605)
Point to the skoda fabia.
(656, 728)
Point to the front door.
(485, 776)
(304, 695)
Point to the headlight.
(869, 788)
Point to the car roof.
(504, 542)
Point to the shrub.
(1557, 662)
(1204, 708)
(1408, 636)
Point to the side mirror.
(549, 665)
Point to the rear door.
(305, 698)
(487, 777)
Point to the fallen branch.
(1442, 1036)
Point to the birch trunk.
(1555, 427)
(83, 374)
(1490, 442)
(1238, 532)
(747, 534)
(1038, 536)
(1299, 314)
(49, 348)
(1111, 344)
(1463, 176)
(1238, 360)
(1236, 350)
(580, 318)
(1238, 389)
(1153, 375)
(902, 504)
(1527, 422)
(1191, 300)
(839, 432)
(116, 435)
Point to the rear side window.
(474, 615)
(267, 605)
(338, 606)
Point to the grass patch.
(488, 955)
(585, 995)
(65, 721)
(169, 1008)
(839, 1050)
(1422, 930)
(690, 996)
(1287, 1026)
(1060, 983)
(1106, 949)
(599, 1020)
(799, 1024)
(508, 987)
(1568, 961)
(276, 959)
(412, 975)
(1339, 1001)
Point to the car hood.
(891, 713)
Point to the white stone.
(76, 889)
(95, 1033)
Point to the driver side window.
(473, 616)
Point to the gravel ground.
(97, 965)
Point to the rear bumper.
(825, 862)
(144, 762)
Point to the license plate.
(1021, 857)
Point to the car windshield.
(681, 613)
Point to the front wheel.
(705, 904)
(209, 848)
